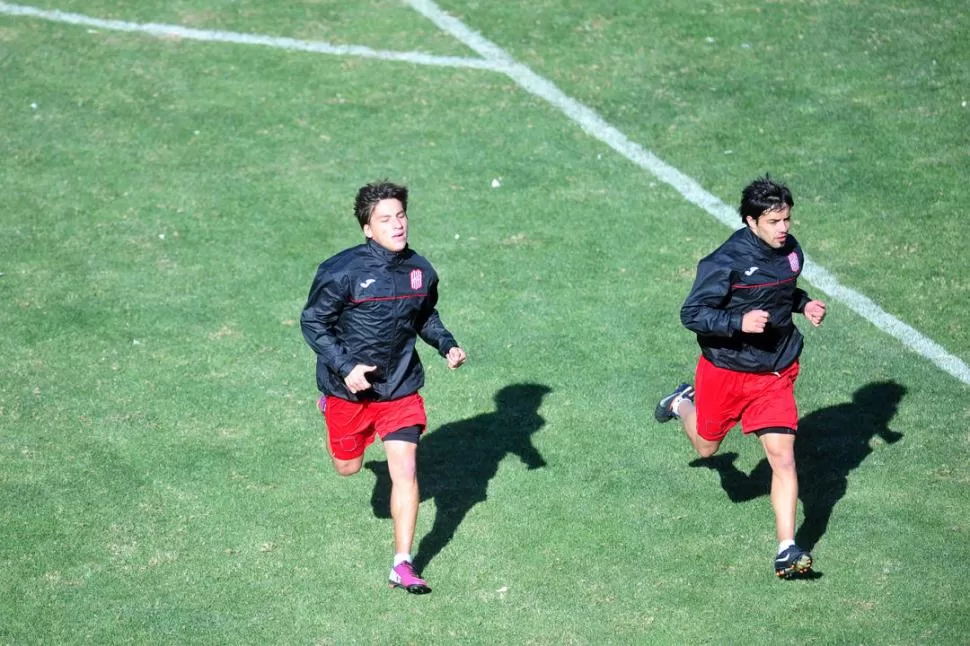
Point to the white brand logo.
(750, 271)
(367, 283)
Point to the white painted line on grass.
(497, 60)
(596, 127)
(206, 35)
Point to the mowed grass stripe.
(496, 59)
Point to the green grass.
(165, 204)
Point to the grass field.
(166, 199)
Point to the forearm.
(435, 334)
(800, 300)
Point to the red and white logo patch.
(416, 279)
(792, 260)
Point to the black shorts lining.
(780, 430)
(406, 434)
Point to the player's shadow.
(831, 442)
(457, 461)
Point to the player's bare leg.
(688, 421)
(405, 498)
(780, 451)
(680, 404)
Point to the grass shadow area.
(831, 443)
(457, 461)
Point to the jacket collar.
(386, 255)
(760, 246)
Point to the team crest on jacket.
(792, 260)
(416, 279)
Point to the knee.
(784, 463)
(404, 474)
(706, 448)
(346, 468)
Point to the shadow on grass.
(457, 461)
(831, 442)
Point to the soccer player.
(366, 307)
(740, 307)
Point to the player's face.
(388, 225)
(772, 227)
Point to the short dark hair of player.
(763, 194)
(368, 197)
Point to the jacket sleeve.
(329, 295)
(800, 300)
(431, 330)
(703, 312)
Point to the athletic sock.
(784, 545)
(675, 405)
(401, 557)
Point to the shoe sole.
(800, 567)
(416, 588)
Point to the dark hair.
(368, 197)
(764, 194)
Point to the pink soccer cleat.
(403, 576)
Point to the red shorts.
(351, 426)
(756, 399)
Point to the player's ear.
(368, 232)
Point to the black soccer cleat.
(793, 563)
(664, 412)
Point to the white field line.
(497, 60)
(206, 35)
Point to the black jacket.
(368, 305)
(741, 275)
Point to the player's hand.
(356, 381)
(754, 322)
(456, 356)
(815, 312)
